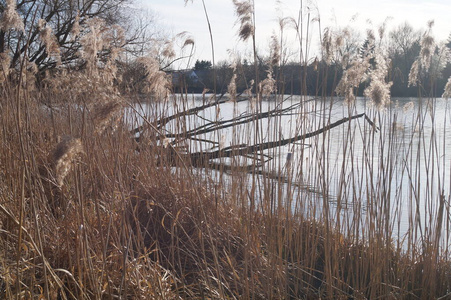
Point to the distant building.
(191, 80)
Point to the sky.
(175, 17)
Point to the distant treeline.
(316, 78)
(320, 78)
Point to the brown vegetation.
(88, 210)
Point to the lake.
(393, 180)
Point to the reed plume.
(423, 61)
(93, 42)
(10, 19)
(327, 46)
(231, 88)
(352, 77)
(63, 157)
(245, 10)
(268, 85)
(5, 61)
(107, 115)
(447, 92)
(75, 31)
(274, 51)
(156, 80)
(379, 90)
(49, 39)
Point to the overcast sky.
(175, 17)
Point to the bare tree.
(63, 17)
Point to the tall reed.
(91, 208)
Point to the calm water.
(398, 174)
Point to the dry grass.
(87, 213)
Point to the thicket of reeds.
(89, 211)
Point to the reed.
(88, 210)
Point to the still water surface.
(395, 176)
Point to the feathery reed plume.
(245, 10)
(331, 46)
(29, 72)
(5, 61)
(408, 106)
(274, 51)
(168, 50)
(63, 157)
(49, 39)
(414, 72)
(381, 30)
(75, 31)
(423, 62)
(105, 115)
(447, 92)
(352, 77)
(231, 88)
(157, 82)
(268, 85)
(222, 142)
(327, 46)
(10, 19)
(185, 37)
(379, 90)
(188, 41)
(93, 43)
(427, 49)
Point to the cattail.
(10, 19)
(245, 10)
(63, 157)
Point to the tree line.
(321, 78)
(66, 23)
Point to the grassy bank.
(91, 208)
(88, 213)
